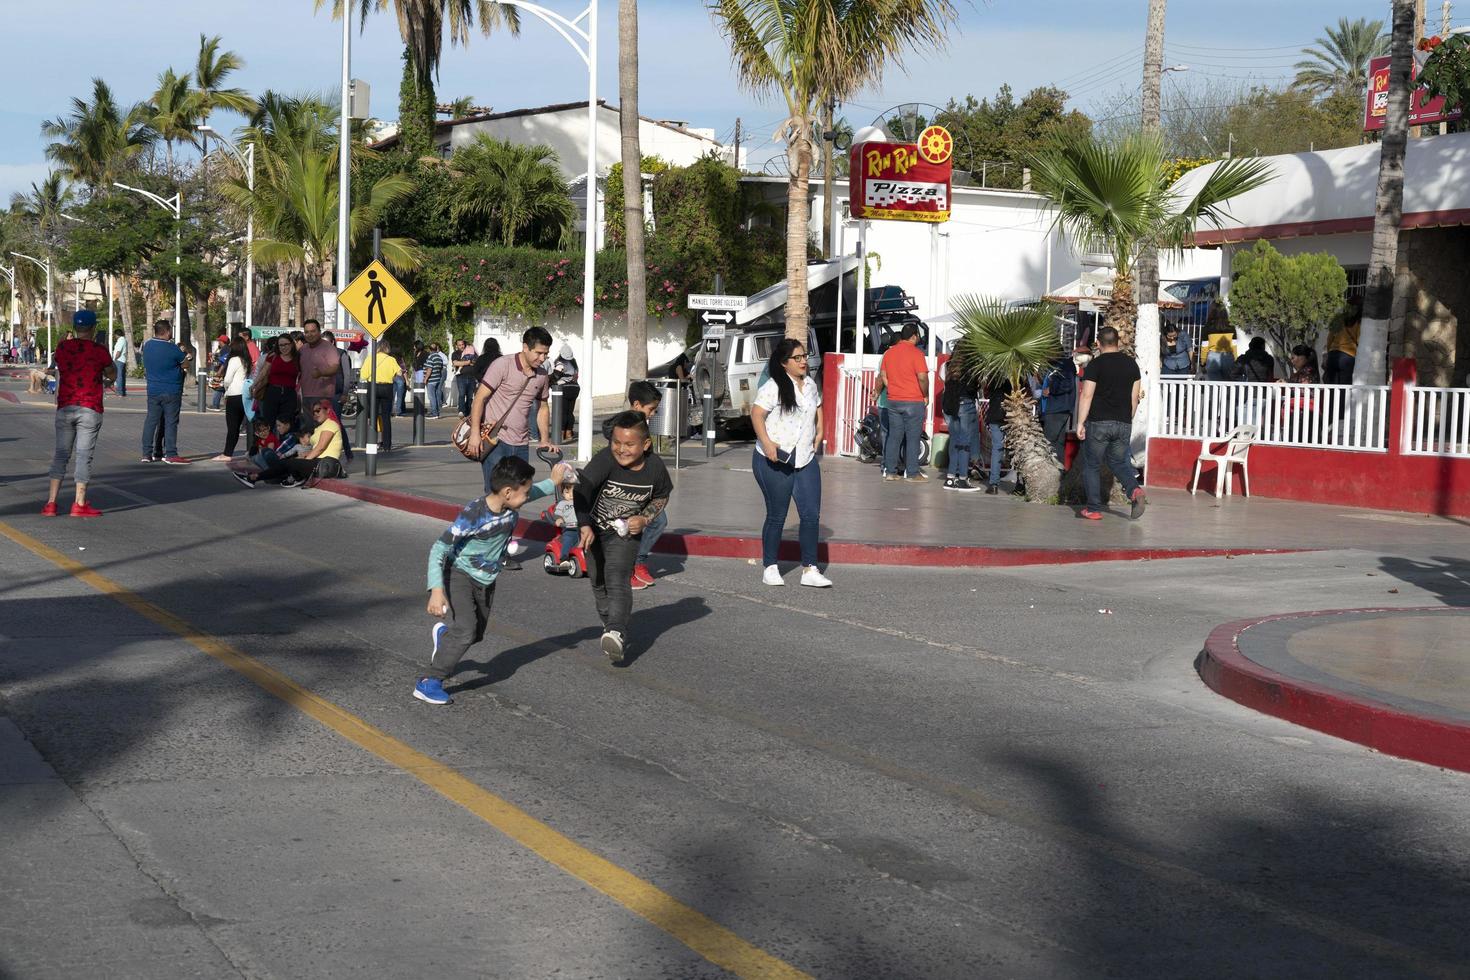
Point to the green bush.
(1289, 299)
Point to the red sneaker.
(1088, 514)
(637, 584)
(175, 460)
(49, 510)
(641, 573)
(85, 510)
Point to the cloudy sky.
(1092, 48)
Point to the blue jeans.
(163, 409)
(997, 445)
(651, 534)
(466, 389)
(76, 436)
(1110, 441)
(963, 439)
(905, 423)
(780, 484)
(400, 389)
(502, 449)
(121, 384)
(434, 391)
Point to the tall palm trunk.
(123, 287)
(283, 294)
(798, 216)
(1371, 367)
(1122, 312)
(1030, 452)
(632, 190)
(1145, 346)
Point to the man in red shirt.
(83, 366)
(905, 374)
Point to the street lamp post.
(50, 309)
(176, 205)
(14, 310)
(581, 33)
(247, 162)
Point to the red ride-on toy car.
(573, 564)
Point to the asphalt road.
(211, 763)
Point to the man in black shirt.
(1111, 388)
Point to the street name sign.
(709, 301)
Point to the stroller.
(869, 440)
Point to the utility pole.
(1444, 31)
(736, 161)
(829, 145)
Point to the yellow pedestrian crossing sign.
(375, 299)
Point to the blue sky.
(1091, 47)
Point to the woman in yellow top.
(323, 461)
(1342, 344)
(378, 374)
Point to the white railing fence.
(1438, 421)
(1306, 416)
(855, 395)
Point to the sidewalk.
(717, 511)
(1395, 680)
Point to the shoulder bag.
(489, 434)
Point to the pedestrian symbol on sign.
(376, 292)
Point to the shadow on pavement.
(1448, 578)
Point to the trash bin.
(671, 418)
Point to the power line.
(1216, 47)
(1099, 67)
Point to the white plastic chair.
(1237, 446)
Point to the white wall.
(608, 376)
(566, 133)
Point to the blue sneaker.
(431, 689)
(435, 632)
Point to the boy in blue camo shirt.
(464, 564)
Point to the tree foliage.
(1288, 299)
(1339, 60)
(1005, 132)
(519, 190)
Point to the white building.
(1324, 202)
(563, 128)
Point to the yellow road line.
(692, 928)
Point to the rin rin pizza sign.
(903, 181)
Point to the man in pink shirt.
(508, 390)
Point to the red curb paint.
(833, 552)
(1393, 731)
(9, 396)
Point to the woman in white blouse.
(237, 378)
(787, 416)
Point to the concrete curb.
(1379, 726)
(834, 552)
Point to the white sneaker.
(612, 646)
(772, 575)
(815, 579)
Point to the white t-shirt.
(796, 428)
(120, 347)
(235, 377)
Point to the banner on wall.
(902, 181)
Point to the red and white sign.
(902, 181)
(1421, 113)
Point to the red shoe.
(1088, 514)
(49, 510)
(175, 460)
(637, 584)
(642, 574)
(85, 510)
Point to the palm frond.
(998, 343)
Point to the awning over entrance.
(1332, 192)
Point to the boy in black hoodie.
(645, 399)
(617, 494)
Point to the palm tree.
(1115, 196)
(997, 345)
(810, 51)
(518, 189)
(1339, 62)
(98, 141)
(294, 204)
(42, 207)
(173, 112)
(632, 156)
(1388, 207)
(210, 71)
(423, 25)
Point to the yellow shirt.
(383, 369)
(1345, 338)
(334, 451)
